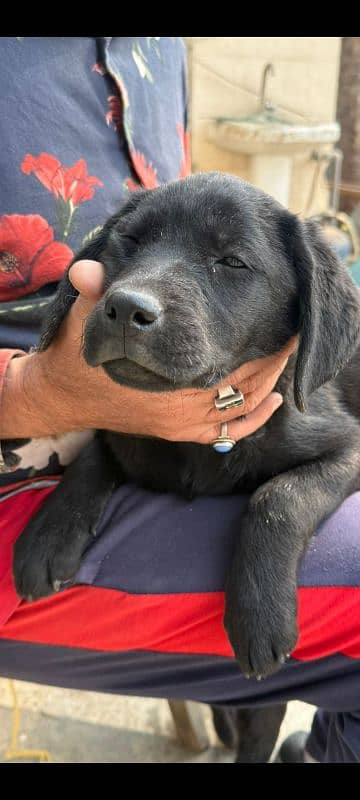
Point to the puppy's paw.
(261, 627)
(47, 554)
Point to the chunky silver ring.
(223, 444)
(229, 398)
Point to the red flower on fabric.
(29, 257)
(146, 173)
(79, 185)
(47, 170)
(131, 185)
(114, 115)
(70, 183)
(98, 68)
(185, 168)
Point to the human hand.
(76, 396)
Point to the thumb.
(87, 277)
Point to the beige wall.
(225, 79)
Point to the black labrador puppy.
(203, 275)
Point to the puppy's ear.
(329, 312)
(66, 293)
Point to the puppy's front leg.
(49, 550)
(261, 601)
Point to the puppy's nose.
(132, 308)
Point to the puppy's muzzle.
(123, 326)
(135, 310)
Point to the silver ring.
(223, 444)
(229, 398)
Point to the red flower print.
(47, 170)
(70, 183)
(29, 257)
(78, 184)
(98, 68)
(185, 168)
(114, 115)
(131, 185)
(146, 174)
(126, 120)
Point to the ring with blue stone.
(227, 398)
(223, 444)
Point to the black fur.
(170, 244)
(251, 732)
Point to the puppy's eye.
(232, 261)
(128, 238)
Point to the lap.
(152, 587)
(154, 543)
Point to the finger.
(256, 367)
(254, 399)
(259, 390)
(291, 346)
(239, 428)
(87, 277)
(245, 426)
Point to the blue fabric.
(110, 110)
(332, 682)
(198, 538)
(53, 101)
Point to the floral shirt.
(83, 121)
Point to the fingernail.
(278, 399)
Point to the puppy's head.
(206, 273)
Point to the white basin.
(266, 133)
(271, 142)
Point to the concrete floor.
(88, 727)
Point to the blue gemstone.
(223, 448)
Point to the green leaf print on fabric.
(141, 62)
(89, 236)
